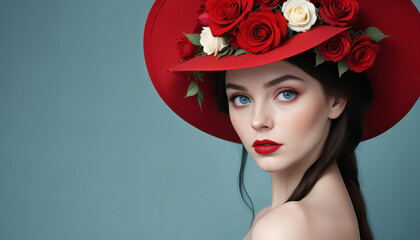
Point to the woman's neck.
(283, 184)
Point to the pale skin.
(282, 103)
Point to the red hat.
(394, 74)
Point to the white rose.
(211, 44)
(300, 14)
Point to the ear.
(337, 104)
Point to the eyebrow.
(266, 85)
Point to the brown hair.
(344, 136)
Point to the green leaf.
(199, 75)
(353, 33)
(224, 52)
(226, 49)
(231, 50)
(200, 52)
(200, 98)
(318, 16)
(343, 66)
(192, 89)
(289, 33)
(220, 55)
(194, 38)
(240, 51)
(277, 7)
(375, 34)
(319, 59)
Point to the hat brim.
(288, 48)
(394, 75)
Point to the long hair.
(343, 138)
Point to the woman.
(297, 112)
(299, 122)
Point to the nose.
(262, 117)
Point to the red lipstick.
(265, 146)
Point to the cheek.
(241, 123)
(307, 121)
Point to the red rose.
(268, 3)
(185, 48)
(336, 47)
(261, 31)
(339, 13)
(233, 42)
(202, 19)
(226, 14)
(362, 53)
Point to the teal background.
(88, 150)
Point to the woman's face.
(281, 103)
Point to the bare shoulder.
(260, 214)
(285, 222)
(294, 220)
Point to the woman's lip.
(266, 149)
(264, 142)
(265, 146)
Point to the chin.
(271, 163)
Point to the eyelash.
(234, 96)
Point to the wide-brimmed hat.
(394, 75)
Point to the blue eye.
(240, 100)
(287, 95)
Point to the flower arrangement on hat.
(227, 27)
